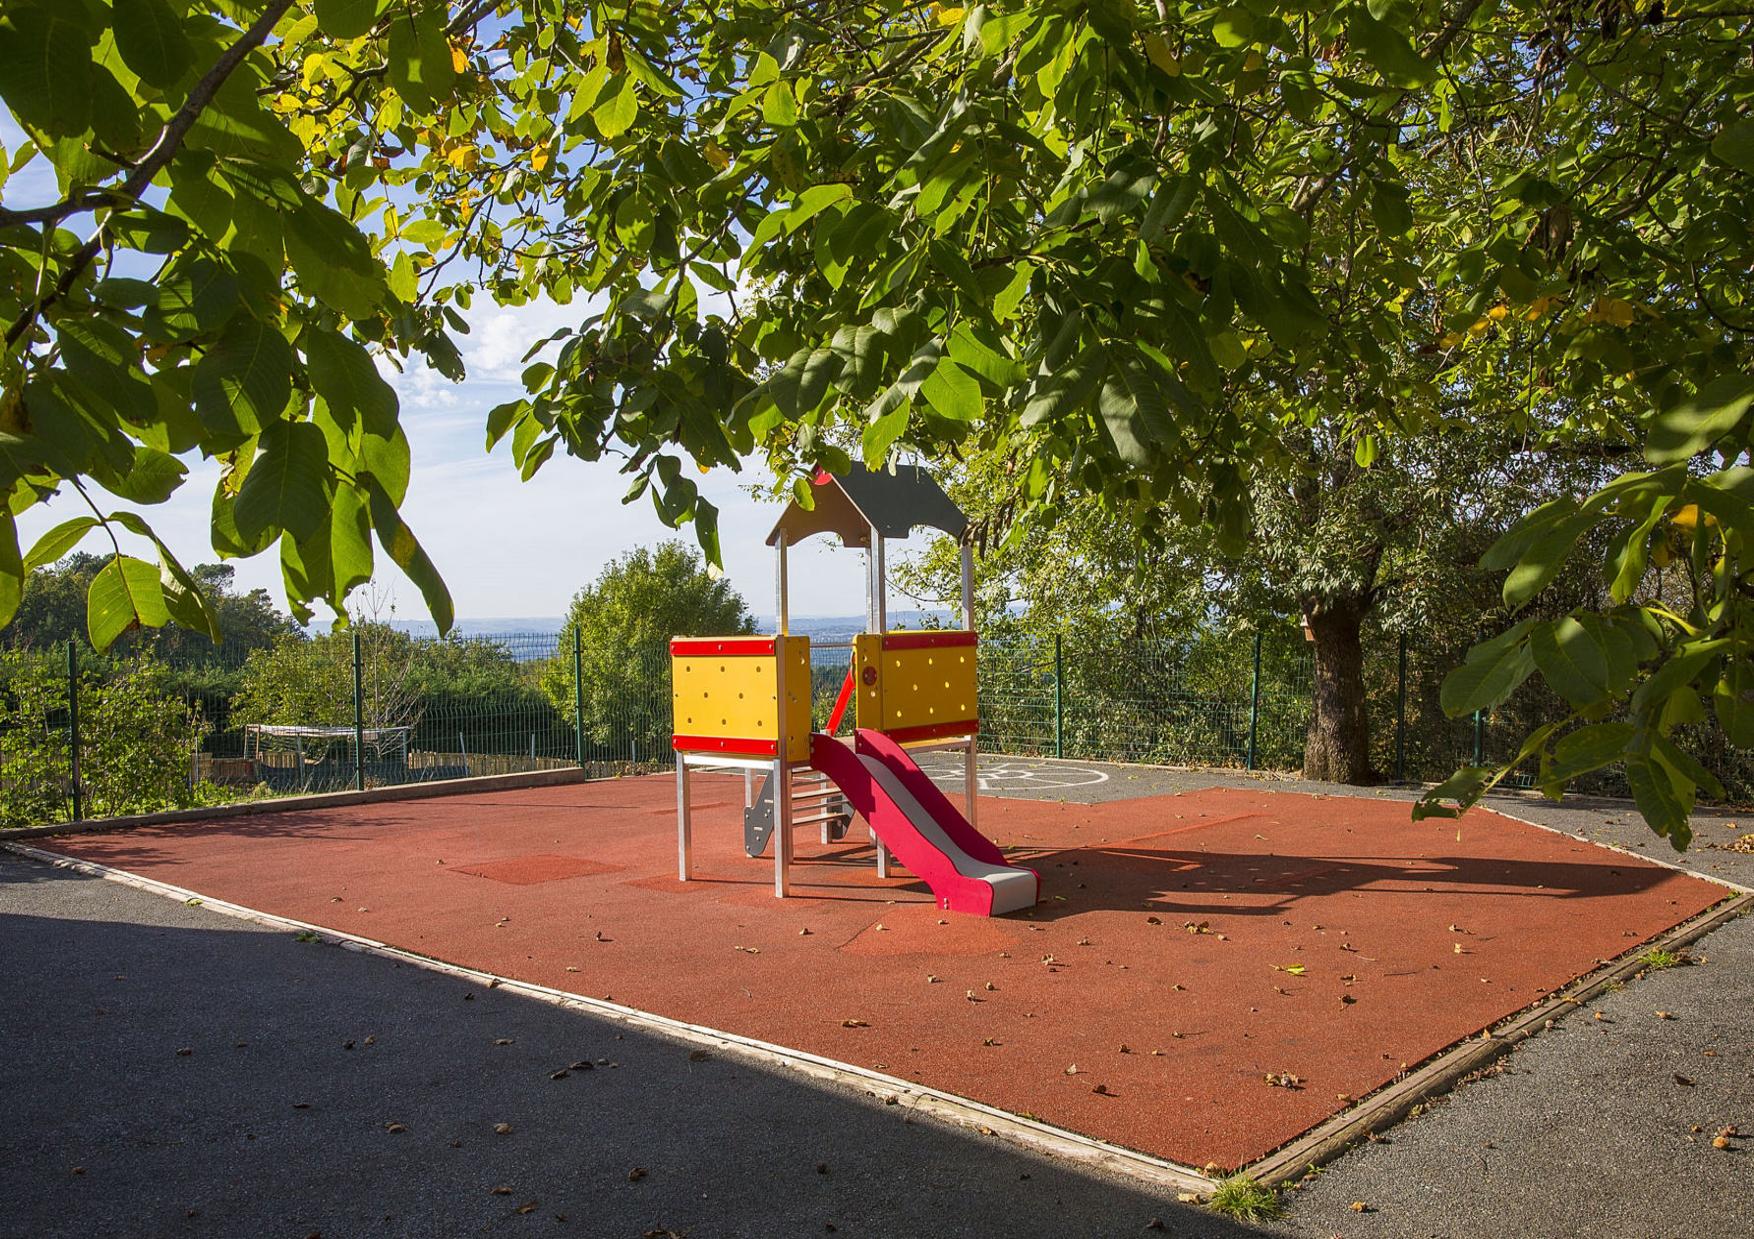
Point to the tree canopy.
(1132, 246)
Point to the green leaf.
(616, 114)
(1586, 749)
(125, 594)
(1465, 787)
(349, 19)
(1571, 661)
(1701, 420)
(1735, 145)
(244, 381)
(1733, 701)
(11, 569)
(881, 434)
(419, 56)
(953, 392)
(1388, 50)
(58, 541)
(46, 70)
(343, 374)
(288, 485)
(405, 552)
(333, 261)
(154, 478)
(778, 107)
(151, 40)
(1660, 802)
(1483, 682)
(1542, 559)
(183, 596)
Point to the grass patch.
(1240, 1197)
(1656, 959)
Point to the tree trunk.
(1338, 748)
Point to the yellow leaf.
(1539, 306)
(459, 59)
(1497, 313)
(1614, 311)
(1157, 49)
(716, 156)
(1252, 61)
(1688, 518)
(947, 17)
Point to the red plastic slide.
(921, 828)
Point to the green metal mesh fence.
(179, 723)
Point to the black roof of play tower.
(894, 500)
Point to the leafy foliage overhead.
(1129, 243)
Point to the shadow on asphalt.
(173, 1072)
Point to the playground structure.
(743, 704)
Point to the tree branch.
(170, 140)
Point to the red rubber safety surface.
(1187, 947)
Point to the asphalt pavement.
(174, 1071)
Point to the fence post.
(1401, 710)
(78, 787)
(1479, 737)
(578, 698)
(1255, 702)
(1059, 697)
(358, 715)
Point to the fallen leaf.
(698, 1056)
(1295, 970)
(500, 1191)
(636, 1174)
(854, 1024)
(1358, 1206)
(1665, 1015)
(395, 1129)
(528, 1206)
(502, 1129)
(1072, 1070)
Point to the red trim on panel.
(933, 731)
(928, 640)
(730, 647)
(725, 744)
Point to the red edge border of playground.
(1437, 1075)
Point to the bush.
(137, 739)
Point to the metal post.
(967, 557)
(782, 607)
(1059, 697)
(1255, 703)
(1401, 711)
(684, 824)
(782, 778)
(78, 788)
(1479, 737)
(358, 714)
(578, 698)
(879, 583)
